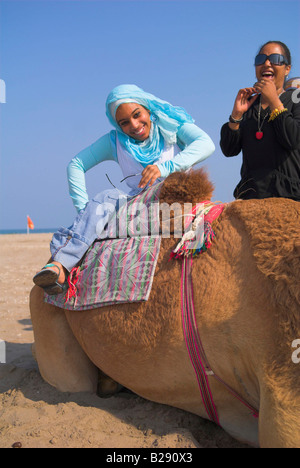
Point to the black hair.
(284, 47)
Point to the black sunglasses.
(275, 59)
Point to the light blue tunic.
(195, 144)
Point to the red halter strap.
(195, 348)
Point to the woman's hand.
(242, 102)
(269, 93)
(149, 176)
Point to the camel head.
(179, 191)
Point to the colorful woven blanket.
(121, 267)
(118, 270)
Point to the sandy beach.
(36, 415)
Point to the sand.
(36, 415)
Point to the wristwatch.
(232, 120)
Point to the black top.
(271, 166)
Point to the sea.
(24, 231)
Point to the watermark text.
(2, 92)
(2, 352)
(296, 354)
(150, 220)
(296, 96)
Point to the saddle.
(120, 268)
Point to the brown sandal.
(48, 280)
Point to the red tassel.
(72, 280)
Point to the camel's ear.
(193, 186)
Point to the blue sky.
(60, 59)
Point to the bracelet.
(275, 113)
(232, 120)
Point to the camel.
(247, 306)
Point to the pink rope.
(192, 346)
(195, 347)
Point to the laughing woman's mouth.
(139, 132)
(268, 74)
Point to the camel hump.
(192, 186)
(273, 227)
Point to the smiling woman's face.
(134, 120)
(268, 71)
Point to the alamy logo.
(153, 220)
(2, 352)
(296, 354)
(296, 96)
(2, 92)
(294, 83)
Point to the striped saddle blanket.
(121, 270)
(118, 270)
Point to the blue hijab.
(165, 122)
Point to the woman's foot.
(52, 278)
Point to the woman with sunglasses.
(151, 140)
(265, 126)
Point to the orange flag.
(30, 223)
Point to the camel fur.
(247, 303)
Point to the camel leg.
(279, 423)
(62, 362)
(107, 387)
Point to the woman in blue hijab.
(151, 140)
